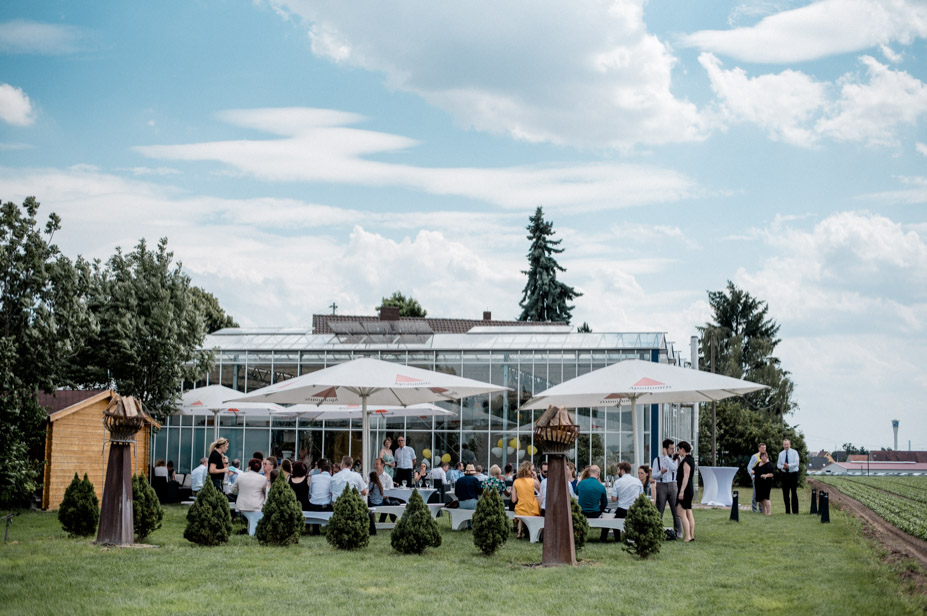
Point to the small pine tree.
(490, 524)
(643, 528)
(580, 525)
(209, 521)
(283, 517)
(349, 527)
(416, 529)
(147, 513)
(79, 512)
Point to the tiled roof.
(439, 326)
(64, 398)
(900, 456)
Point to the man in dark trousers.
(788, 465)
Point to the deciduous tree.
(408, 306)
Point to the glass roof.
(294, 340)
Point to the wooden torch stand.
(116, 526)
(559, 548)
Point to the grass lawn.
(778, 565)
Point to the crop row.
(914, 488)
(906, 515)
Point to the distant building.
(875, 468)
(900, 456)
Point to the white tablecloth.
(718, 481)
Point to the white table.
(404, 494)
(718, 481)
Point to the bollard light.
(735, 508)
(814, 501)
(825, 508)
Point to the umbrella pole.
(365, 438)
(215, 426)
(635, 432)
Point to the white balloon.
(497, 451)
(511, 450)
(521, 454)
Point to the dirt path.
(898, 545)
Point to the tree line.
(134, 322)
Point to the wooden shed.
(76, 442)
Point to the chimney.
(389, 313)
(895, 430)
(487, 315)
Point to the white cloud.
(586, 74)
(873, 112)
(792, 106)
(921, 148)
(15, 106)
(317, 147)
(853, 271)
(32, 37)
(817, 30)
(782, 104)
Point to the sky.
(298, 154)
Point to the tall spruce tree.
(544, 297)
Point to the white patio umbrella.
(368, 382)
(641, 382)
(312, 412)
(211, 400)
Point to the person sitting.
(198, 476)
(286, 467)
(320, 491)
(170, 471)
(347, 478)
(480, 474)
(509, 473)
(468, 488)
(646, 479)
(160, 470)
(455, 473)
(574, 482)
(592, 497)
(376, 490)
(421, 476)
(440, 472)
(386, 480)
(300, 484)
(234, 471)
(542, 495)
(251, 489)
(523, 492)
(495, 481)
(625, 490)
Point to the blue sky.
(297, 153)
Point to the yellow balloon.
(501, 443)
(515, 443)
(446, 457)
(532, 450)
(426, 453)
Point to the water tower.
(895, 430)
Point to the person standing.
(217, 468)
(751, 468)
(789, 464)
(765, 472)
(664, 473)
(685, 478)
(405, 462)
(386, 454)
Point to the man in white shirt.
(664, 474)
(754, 460)
(346, 478)
(626, 489)
(198, 476)
(385, 480)
(542, 494)
(440, 472)
(405, 462)
(789, 464)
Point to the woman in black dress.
(686, 491)
(764, 472)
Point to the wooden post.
(116, 526)
(559, 548)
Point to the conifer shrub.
(580, 525)
(283, 516)
(490, 524)
(209, 521)
(349, 526)
(416, 529)
(79, 512)
(147, 513)
(643, 528)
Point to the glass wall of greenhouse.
(527, 361)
